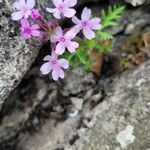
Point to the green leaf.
(110, 16)
(91, 43)
(104, 48)
(78, 59)
(104, 35)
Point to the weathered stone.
(16, 55)
(77, 81)
(136, 2)
(123, 120)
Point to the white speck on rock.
(136, 2)
(74, 114)
(140, 82)
(126, 137)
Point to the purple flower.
(35, 14)
(55, 65)
(29, 31)
(87, 24)
(64, 41)
(24, 8)
(63, 7)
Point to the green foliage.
(124, 62)
(104, 47)
(109, 18)
(78, 59)
(104, 35)
(102, 42)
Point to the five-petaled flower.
(29, 31)
(24, 9)
(55, 65)
(87, 24)
(63, 7)
(64, 41)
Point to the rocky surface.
(116, 119)
(16, 55)
(42, 114)
(135, 2)
(123, 120)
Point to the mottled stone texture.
(126, 111)
(16, 55)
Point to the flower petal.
(47, 58)
(55, 74)
(61, 74)
(54, 38)
(35, 27)
(17, 15)
(57, 2)
(27, 14)
(57, 14)
(76, 20)
(77, 28)
(46, 68)
(86, 14)
(35, 33)
(89, 34)
(63, 63)
(60, 48)
(70, 34)
(25, 23)
(72, 46)
(30, 3)
(22, 2)
(50, 10)
(26, 35)
(16, 5)
(54, 56)
(59, 31)
(69, 13)
(95, 23)
(70, 3)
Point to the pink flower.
(63, 7)
(24, 8)
(87, 24)
(29, 31)
(55, 65)
(35, 14)
(64, 41)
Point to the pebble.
(96, 97)
(77, 102)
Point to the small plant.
(66, 47)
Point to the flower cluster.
(33, 25)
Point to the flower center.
(61, 8)
(62, 39)
(84, 23)
(54, 62)
(27, 30)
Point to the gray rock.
(120, 121)
(77, 81)
(16, 55)
(136, 2)
(123, 120)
